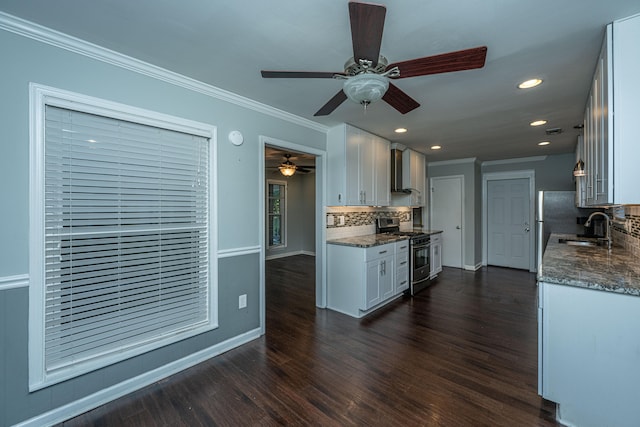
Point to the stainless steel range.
(420, 252)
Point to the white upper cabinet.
(626, 98)
(610, 148)
(359, 168)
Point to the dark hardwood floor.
(461, 353)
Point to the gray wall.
(552, 173)
(301, 215)
(26, 60)
(472, 205)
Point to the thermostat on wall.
(235, 137)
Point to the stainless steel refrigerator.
(557, 213)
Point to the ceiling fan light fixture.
(287, 168)
(365, 88)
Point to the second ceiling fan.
(367, 74)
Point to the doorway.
(508, 220)
(447, 214)
(292, 217)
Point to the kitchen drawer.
(436, 238)
(402, 278)
(402, 247)
(402, 259)
(380, 251)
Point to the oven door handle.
(426, 245)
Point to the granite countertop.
(592, 267)
(368, 240)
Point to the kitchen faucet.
(607, 235)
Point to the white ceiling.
(474, 113)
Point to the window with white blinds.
(126, 239)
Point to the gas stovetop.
(392, 226)
(409, 233)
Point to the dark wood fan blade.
(333, 103)
(399, 100)
(467, 59)
(367, 23)
(298, 74)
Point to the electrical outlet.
(242, 301)
(341, 219)
(330, 220)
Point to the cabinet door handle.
(403, 262)
(382, 252)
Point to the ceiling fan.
(367, 73)
(288, 168)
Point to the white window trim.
(40, 96)
(284, 215)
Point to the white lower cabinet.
(588, 354)
(360, 280)
(436, 255)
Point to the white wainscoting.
(12, 282)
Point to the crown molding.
(515, 160)
(452, 162)
(55, 38)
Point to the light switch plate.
(242, 301)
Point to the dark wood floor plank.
(461, 353)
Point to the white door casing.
(508, 226)
(447, 214)
(321, 237)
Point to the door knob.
(526, 230)
(457, 227)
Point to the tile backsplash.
(359, 221)
(628, 236)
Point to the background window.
(276, 213)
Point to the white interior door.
(508, 223)
(447, 215)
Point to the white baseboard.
(476, 267)
(80, 406)
(288, 254)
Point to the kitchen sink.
(574, 242)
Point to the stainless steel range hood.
(396, 172)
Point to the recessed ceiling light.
(435, 147)
(538, 123)
(544, 143)
(530, 83)
(400, 130)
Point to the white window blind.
(126, 235)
